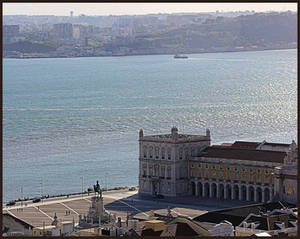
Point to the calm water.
(68, 118)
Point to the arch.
(251, 193)
(221, 191)
(236, 192)
(213, 190)
(267, 194)
(193, 185)
(200, 189)
(244, 192)
(206, 190)
(259, 194)
(228, 191)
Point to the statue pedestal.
(98, 205)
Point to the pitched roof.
(24, 223)
(198, 228)
(270, 222)
(277, 144)
(243, 154)
(226, 144)
(245, 144)
(238, 214)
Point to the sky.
(100, 9)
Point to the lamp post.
(82, 186)
(21, 195)
(42, 189)
(106, 181)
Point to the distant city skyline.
(94, 9)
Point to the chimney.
(208, 133)
(174, 132)
(141, 134)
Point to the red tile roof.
(227, 144)
(243, 154)
(277, 144)
(245, 144)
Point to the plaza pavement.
(119, 202)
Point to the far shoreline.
(142, 54)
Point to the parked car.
(132, 189)
(36, 200)
(11, 203)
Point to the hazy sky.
(63, 9)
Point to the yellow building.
(155, 225)
(239, 171)
(46, 231)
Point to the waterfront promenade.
(120, 202)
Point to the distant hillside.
(258, 31)
(29, 47)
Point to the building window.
(169, 172)
(156, 152)
(214, 171)
(243, 175)
(193, 152)
(150, 171)
(235, 174)
(169, 153)
(162, 171)
(251, 175)
(267, 176)
(220, 173)
(144, 170)
(151, 152)
(180, 153)
(156, 170)
(145, 151)
(186, 153)
(228, 173)
(163, 153)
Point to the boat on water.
(178, 56)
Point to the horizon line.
(144, 14)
